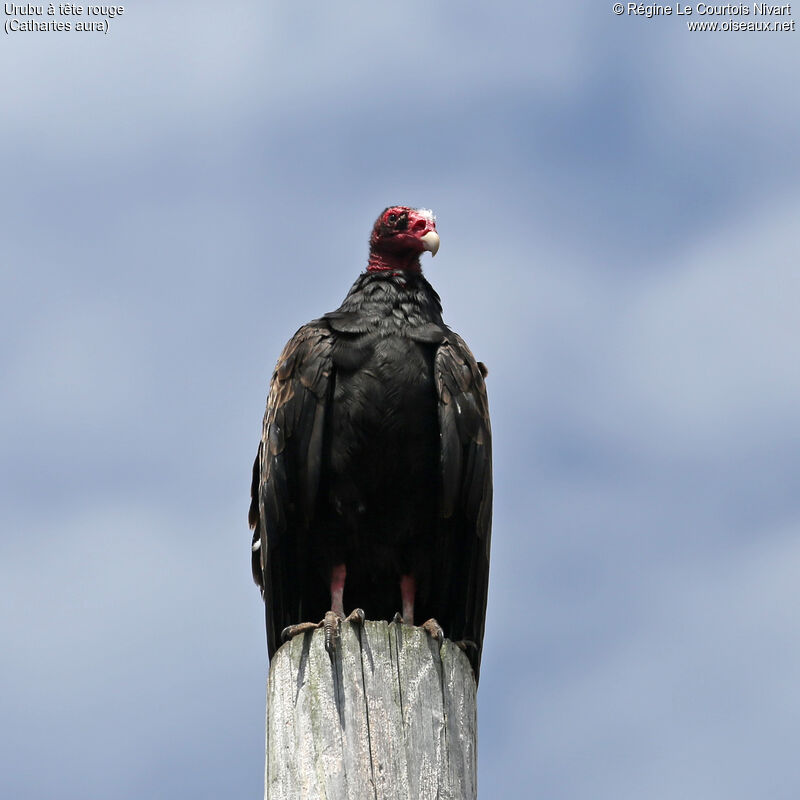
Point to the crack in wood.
(391, 717)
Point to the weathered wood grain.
(390, 717)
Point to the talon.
(290, 631)
(330, 625)
(398, 618)
(356, 616)
(434, 629)
(467, 644)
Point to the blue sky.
(619, 205)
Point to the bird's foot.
(329, 623)
(330, 627)
(356, 616)
(434, 629)
(290, 631)
(332, 623)
(467, 645)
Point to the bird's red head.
(400, 235)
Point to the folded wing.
(286, 474)
(466, 494)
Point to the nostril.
(418, 225)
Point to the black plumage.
(376, 455)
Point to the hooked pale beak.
(430, 242)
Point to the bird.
(372, 486)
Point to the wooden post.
(390, 717)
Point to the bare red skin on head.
(395, 241)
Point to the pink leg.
(338, 574)
(332, 619)
(408, 587)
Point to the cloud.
(127, 626)
(697, 700)
(701, 359)
(618, 216)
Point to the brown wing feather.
(466, 500)
(286, 473)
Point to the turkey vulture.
(372, 486)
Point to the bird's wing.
(466, 494)
(286, 473)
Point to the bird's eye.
(392, 218)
